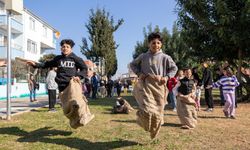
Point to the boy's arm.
(135, 65)
(82, 66)
(47, 64)
(171, 67)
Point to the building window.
(32, 24)
(45, 30)
(2, 40)
(2, 11)
(31, 47)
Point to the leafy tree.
(42, 73)
(142, 47)
(179, 51)
(47, 57)
(173, 45)
(101, 29)
(19, 70)
(216, 29)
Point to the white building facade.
(30, 38)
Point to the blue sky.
(70, 16)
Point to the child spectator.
(228, 84)
(171, 84)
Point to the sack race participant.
(186, 110)
(151, 98)
(122, 107)
(153, 68)
(69, 67)
(74, 105)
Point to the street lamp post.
(9, 66)
(12, 7)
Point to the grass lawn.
(41, 129)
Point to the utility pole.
(9, 66)
(12, 7)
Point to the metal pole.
(103, 65)
(9, 66)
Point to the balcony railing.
(16, 26)
(15, 52)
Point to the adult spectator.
(207, 82)
(32, 88)
(119, 87)
(94, 85)
(109, 86)
(52, 86)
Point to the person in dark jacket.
(94, 85)
(109, 87)
(68, 65)
(207, 82)
(118, 87)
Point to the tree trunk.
(239, 74)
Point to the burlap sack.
(126, 108)
(186, 111)
(151, 98)
(74, 105)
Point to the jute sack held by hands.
(151, 98)
(186, 111)
(74, 105)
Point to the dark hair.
(68, 41)
(229, 71)
(186, 68)
(194, 69)
(154, 35)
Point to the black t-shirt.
(186, 86)
(67, 67)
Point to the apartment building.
(38, 36)
(31, 36)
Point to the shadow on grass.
(88, 145)
(127, 121)
(170, 115)
(212, 117)
(171, 125)
(44, 134)
(33, 135)
(39, 110)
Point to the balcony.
(16, 51)
(16, 27)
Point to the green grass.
(41, 129)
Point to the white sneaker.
(208, 109)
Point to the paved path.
(20, 105)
